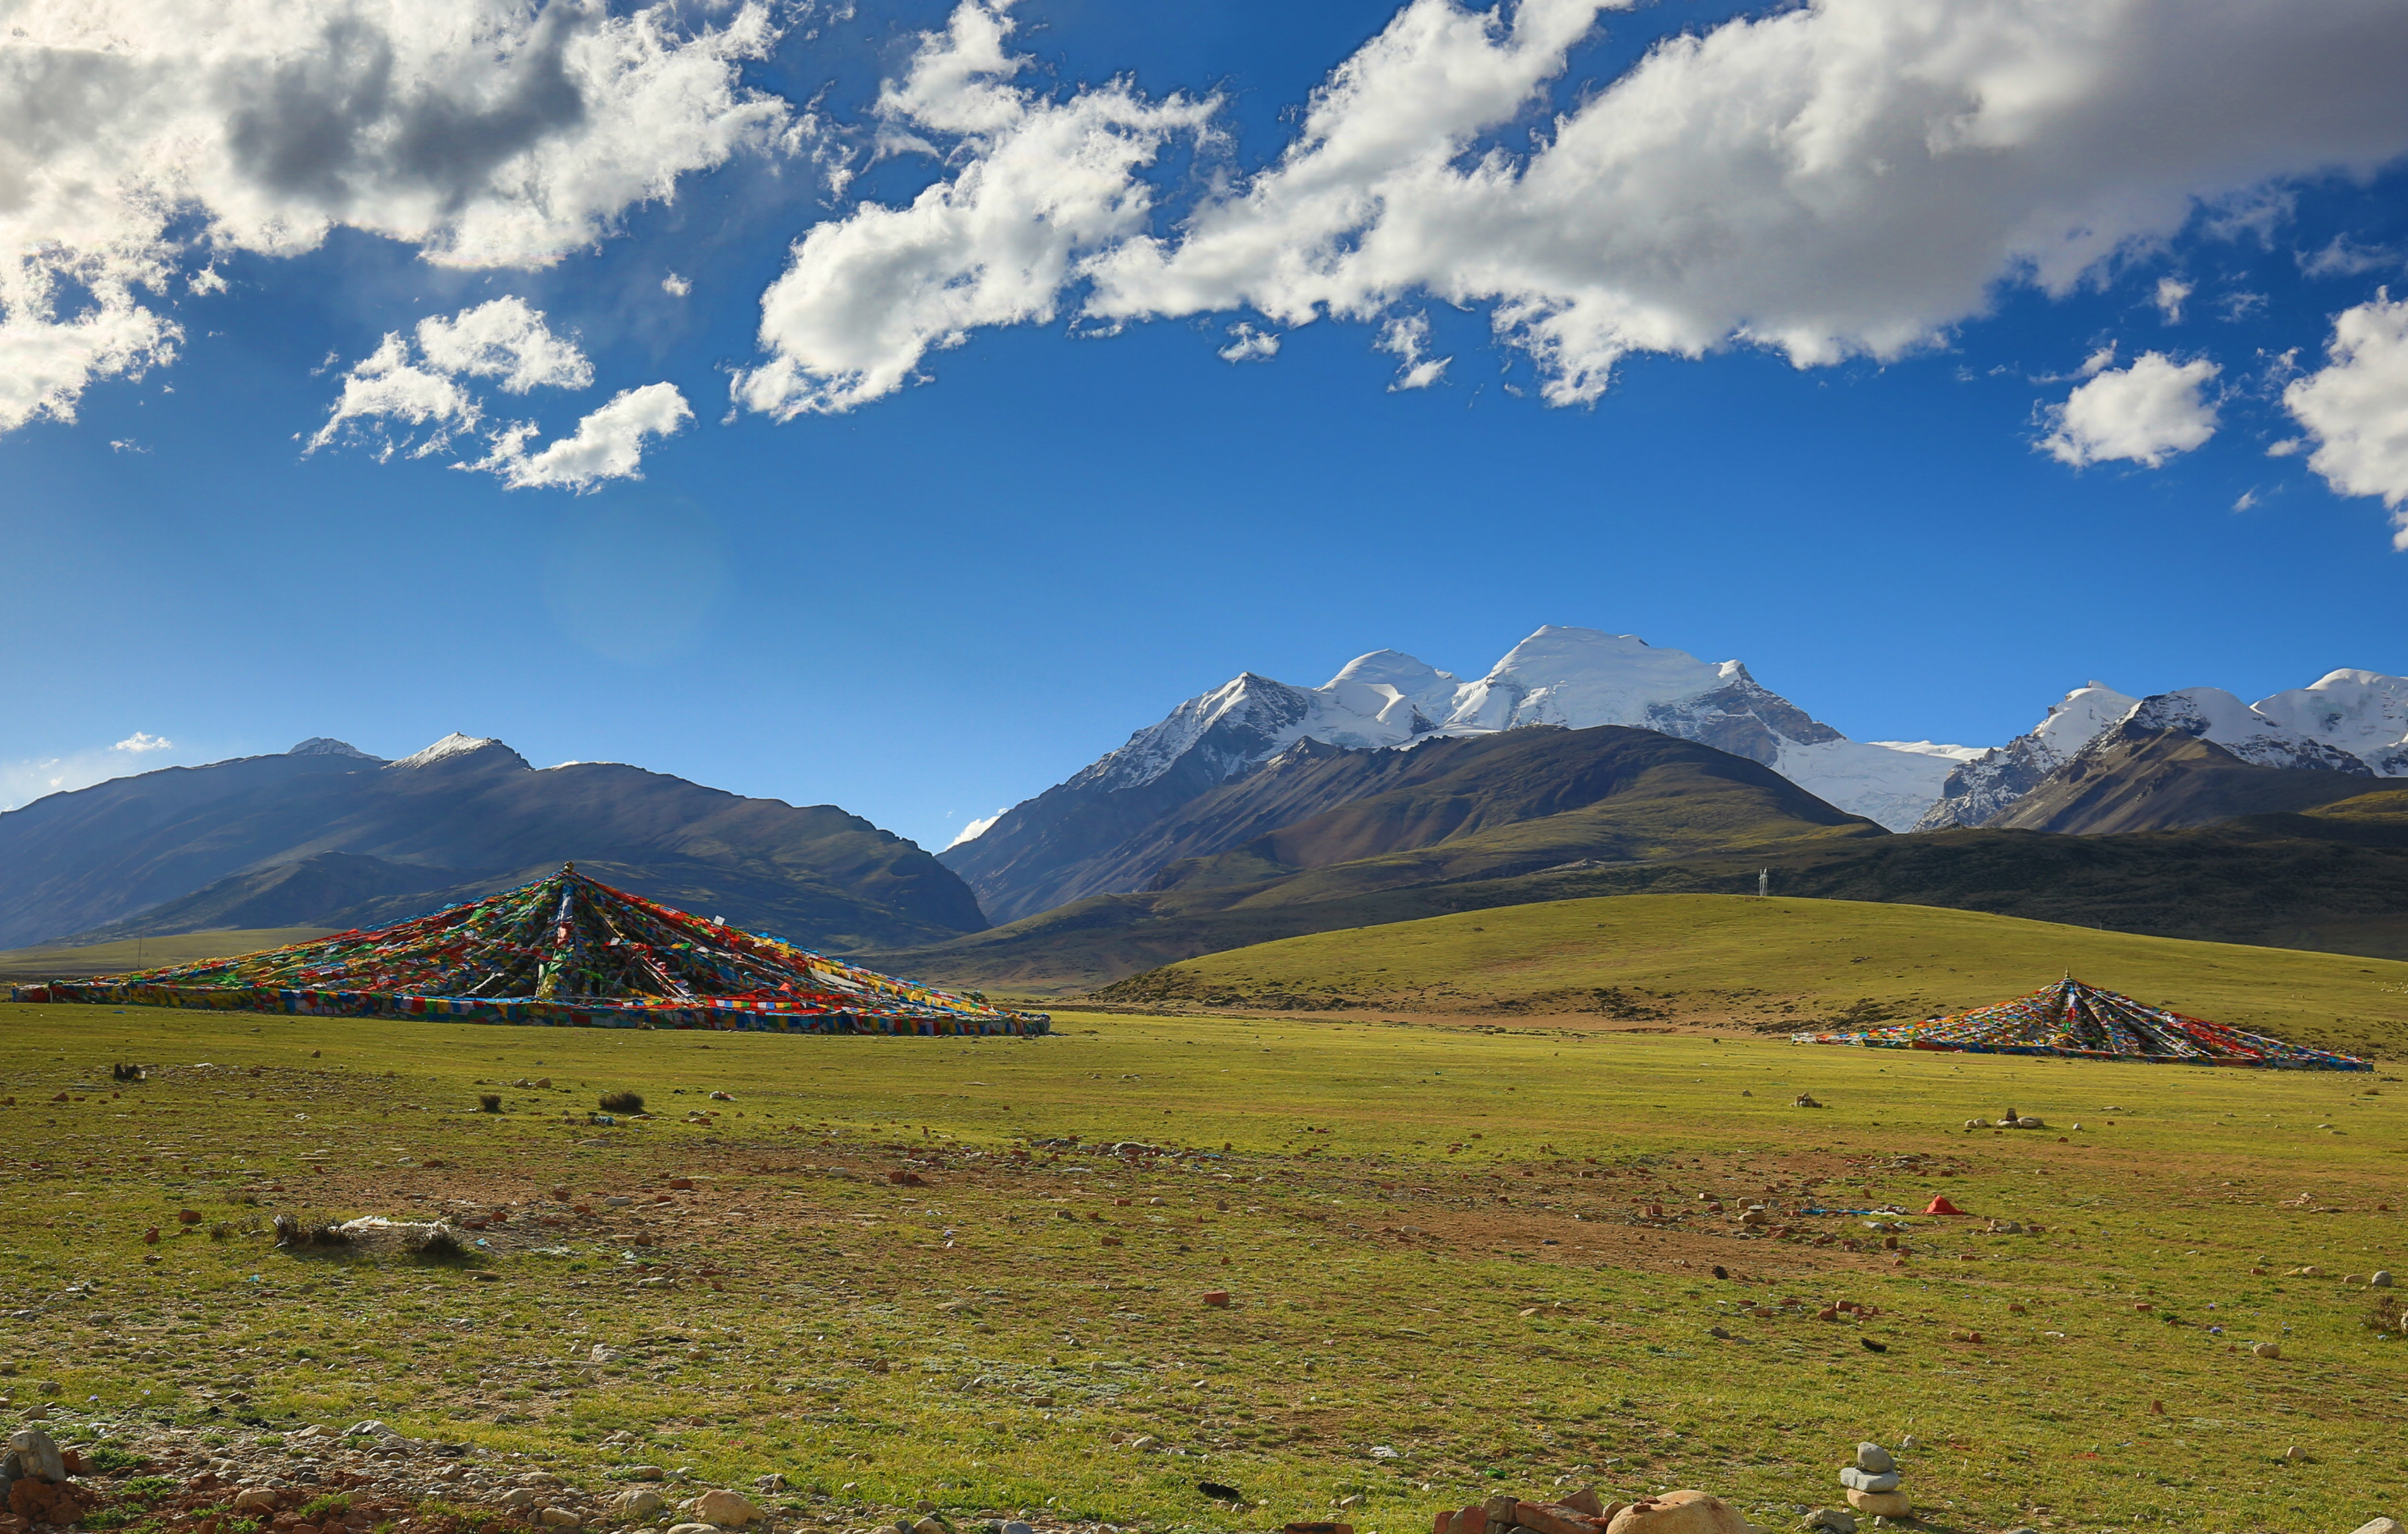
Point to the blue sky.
(926, 600)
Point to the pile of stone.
(1585, 1512)
(33, 1484)
(2007, 1120)
(1872, 1484)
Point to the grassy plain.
(1382, 1203)
(135, 953)
(1723, 961)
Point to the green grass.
(959, 1341)
(150, 952)
(1774, 963)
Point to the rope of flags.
(2085, 1022)
(565, 950)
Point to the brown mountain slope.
(2166, 781)
(2333, 879)
(1456, 831)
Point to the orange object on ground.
(1940, 1205)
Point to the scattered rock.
(699, 1529)
(1832, 1518)
(2381, 1279)
(38, 1455)
(254, 1500)
(1886, 1504)
(519, 1498)
(727, 1509)
(2381, 1526)
(2266, 1350)
(560, 1517)
(1857, 1479)
(646, 1472)
(639, 1502)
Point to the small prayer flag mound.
(563, 951)
(2084, 1022)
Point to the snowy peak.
(455, 746)
(1582, 677)
(2365, 712)
(1559, 676)
(1986, 786)
(2214, 715)
(326, 745)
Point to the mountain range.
(1583, 763)
(325, 835)
(1113, 826)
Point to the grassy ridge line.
(1776, 962)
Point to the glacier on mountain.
(1987, 783)
(2346, 721)
(1568, 676)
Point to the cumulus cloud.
(2144, 413)
(2170, 297)
(1838, 179)
(1043, 184)
(1406, 336)
(141, 743)
(488, 133)
(607, 444)
(2356, 407)
(1249, 345)
(418, 386)
(504, 340)
(414, 385)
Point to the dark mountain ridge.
(230, 843)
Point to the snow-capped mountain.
(1573, 677)
(1989, 783)
(1055, 847)
(2364, 712)
(2348, 721)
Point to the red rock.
(1218, 1298)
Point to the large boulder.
(1679, 1513)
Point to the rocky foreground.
(371, 1478)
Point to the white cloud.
(25, 779)
(417, 386)
(2144, 413)
(2356, 407)
(977, 828)
(488, 133)
(1842, 177)
(2171, 294)
(607, 444)
(1043, 184)
(2345, 257)
(676, 286)
(387, 386)
(1249, 345)
(504, 340)
(1407, 337)
(420, 386)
